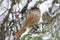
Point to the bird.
(33, 17)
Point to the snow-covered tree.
(13, 16)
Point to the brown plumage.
(32, 18)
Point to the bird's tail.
(19, 33)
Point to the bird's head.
(33, 10)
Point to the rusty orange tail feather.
(19, 33)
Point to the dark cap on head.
(33, 8)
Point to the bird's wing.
(29, 20)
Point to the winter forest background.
(13, 14)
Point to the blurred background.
(13, 14)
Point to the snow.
(6, 38)
(31, 4)
(34, 35)
(22, 4)
(44, 7)
(26, 32)
(47, 36)
(10, 38)
(3, 6)
(3, 9)
(15, 8)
